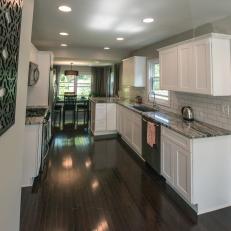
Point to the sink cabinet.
(129, 126)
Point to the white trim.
(166, 103)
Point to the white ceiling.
(93, 24)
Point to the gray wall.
(12, 142)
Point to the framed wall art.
(10, 25)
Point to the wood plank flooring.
(99, 185)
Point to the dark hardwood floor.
(100, 185)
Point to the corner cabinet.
(200, 65)
(134, 71)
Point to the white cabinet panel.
(169, 69)
(127, 123)
(111, 116)
(137, 133)
(167, 160)
(182, 174)
(185, 68)
(134, 71)
(202, 70)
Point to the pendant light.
(71, 72)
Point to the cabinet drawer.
(177, 138)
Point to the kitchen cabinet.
(137, 132)
(176, 162)
(185, 67)
(168, 69)
(197, 169)
(200, 65)
(129, 125)
(134, 71)
(103, 118)
(167, 160)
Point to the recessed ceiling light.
(63, 45)
(65, 8)
(63, 33)
(107, 48)
(148, 20)
(120, 39)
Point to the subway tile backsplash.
(209, 109)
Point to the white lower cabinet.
(176, 162)
(129, 126)
(103, 118)
(197, 169)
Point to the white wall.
(11, 143)
(33, 54)
(38, 94)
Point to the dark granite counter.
(33, 117)
(195, 129)
(192, 130)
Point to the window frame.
(75, 85)
(150, 97)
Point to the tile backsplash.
(209, 109)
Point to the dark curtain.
(57, 71)
(101, 81)
(105, 80)
(117, 73)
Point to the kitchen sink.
(143, 108)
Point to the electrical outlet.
(225, 109)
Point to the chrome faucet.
(154, 104)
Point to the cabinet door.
(100, 117)
(167, 165)
(128, 72)
(185, 68)
(169, 69)
(137, 133)
(202, 66)
(111, 116)
(127, 123)
(182, 175)
(118, 118)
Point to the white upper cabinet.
(200, 65)
(185, 67)
(169, 69)
(134, 71)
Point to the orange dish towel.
(151, 134)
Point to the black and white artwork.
(10, 23)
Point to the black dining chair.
(69, 105)
(83, 107)
(57, 112)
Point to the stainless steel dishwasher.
(151, 154)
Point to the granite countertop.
(192, 130)
(35, 120)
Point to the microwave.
(33, 74)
